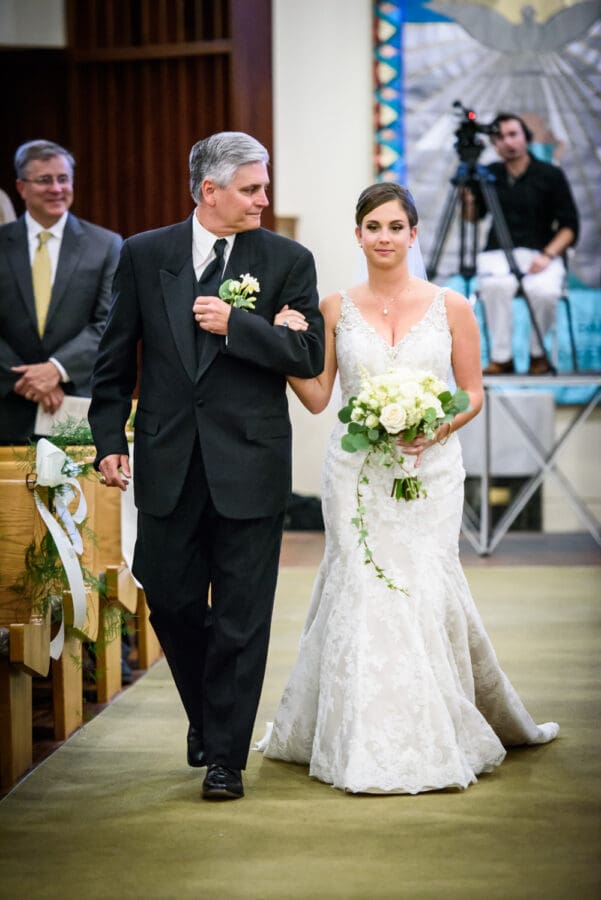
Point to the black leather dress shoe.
(196, 754)
(222, 783)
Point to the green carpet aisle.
(116, 813)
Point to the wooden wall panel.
(34, 104)
(140, 83)
(137, 123)
(138, 23)
(251, 68)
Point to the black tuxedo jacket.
(233, 398)
(78, 309)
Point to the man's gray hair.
(219, 157)
(39, 149)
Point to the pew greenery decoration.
(43, 579)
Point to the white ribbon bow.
(55, 469)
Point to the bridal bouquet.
(402, 403)
(240, 293)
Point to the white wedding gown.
(392, 692)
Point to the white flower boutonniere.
(240, 293)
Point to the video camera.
(468, 145)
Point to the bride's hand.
(291, 318)
(415, 448)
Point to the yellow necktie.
(42, 279)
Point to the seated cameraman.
(542, 220)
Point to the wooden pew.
(25, 632)
(26, 653)
(149, 649)
(67, 671)
(27, 637)
(121, 591)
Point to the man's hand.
(539, 264)
(115, 470)
(52, 401)
(212, 314)
(36, 381)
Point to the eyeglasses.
(48, 180)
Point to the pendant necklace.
(385, 308)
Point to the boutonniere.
(240, 293)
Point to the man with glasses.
(56, 273)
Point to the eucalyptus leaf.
(355, 428)
(360, 441)
(348, 443)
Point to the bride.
(395, 692)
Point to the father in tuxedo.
(56, 273)
(212, 436)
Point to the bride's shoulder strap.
(335, 309)
(438, 308)
(440, 298)
(345, 303)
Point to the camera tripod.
(469, 174)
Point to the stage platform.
(477, 526)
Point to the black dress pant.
(217, 656)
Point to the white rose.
(372, 421)
(393, 417)
(409, 390)
(357, 415)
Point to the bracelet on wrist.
(547, 254)
(442, 441)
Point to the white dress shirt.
(202, 247)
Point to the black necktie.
(208, 286)
(208, 283)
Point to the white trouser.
(497, 287)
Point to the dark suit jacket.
(76, 316)
(234, 399)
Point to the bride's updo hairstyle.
(383, 192)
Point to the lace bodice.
(427, 345)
